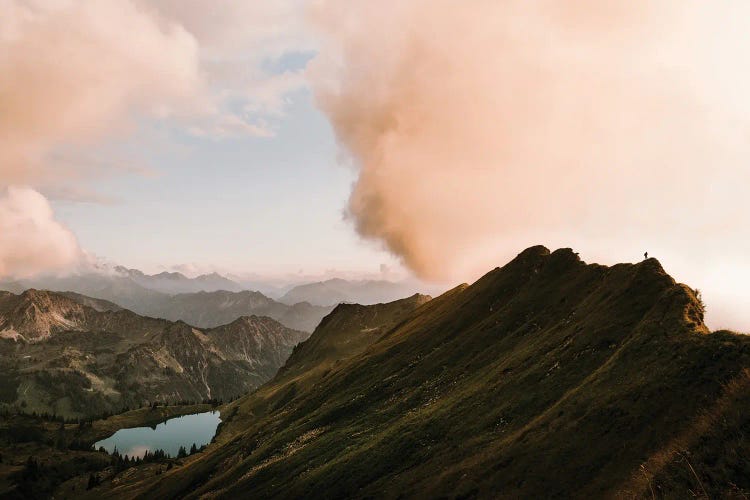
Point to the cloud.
(77, 76)
(73, 73)
(227, 28)
(481, 127)
(32, 240)
(240, 44)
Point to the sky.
(355, 137)
(266, 205)
(252, 183)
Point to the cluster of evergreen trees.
(8, 411)
(120, 461)
(37, 479)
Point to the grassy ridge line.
(546, 377)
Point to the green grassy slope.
(547, 377)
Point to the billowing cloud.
(480, 127)
(71, 74)
(241, 44)
(75, 72)
(32, 240)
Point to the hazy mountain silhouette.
(174, 282)
(336, 291)
(202, 309)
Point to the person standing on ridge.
(645, 256)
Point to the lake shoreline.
(141, 417)
(172, 437)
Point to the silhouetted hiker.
(645, 256)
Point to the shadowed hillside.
(547, 377)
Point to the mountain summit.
(35, 315)
(546, 377)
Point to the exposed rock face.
(70, 359)
(547, 377)
(35, 315)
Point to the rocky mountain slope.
(98, 304)
(547, 377)
(60, 356)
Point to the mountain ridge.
(547, 376)
(202, 309)
(211, 299)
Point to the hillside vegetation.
(547, 377)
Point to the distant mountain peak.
(38, 314)
(170, 275)
(213, 275)
(133, 273)
(337, 290)
(173, 282)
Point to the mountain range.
(205, 309)
(75, 356)
(548, 377)
(174, 282)
(211, 300)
